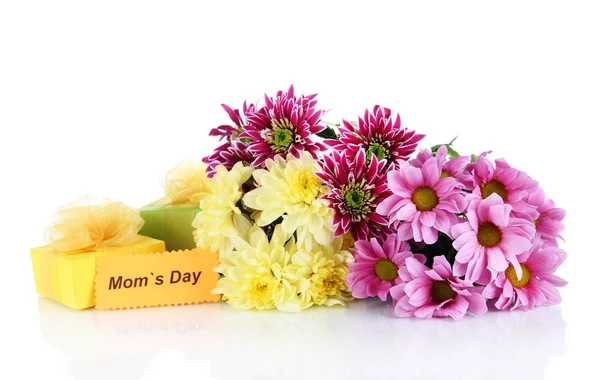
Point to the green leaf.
(473, 157)
(328, 133)
(452, 153)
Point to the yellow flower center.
(444, 174)
(535, 222)
(511, 275)
(305, 186)
(386, 270)
(494, 186)
(425, 198)
(441, 291)
(489, 235)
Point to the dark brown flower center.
(386, 270)
(489, 235)
(494, 186)
(425, 198)
(442, 291)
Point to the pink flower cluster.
(486, 230)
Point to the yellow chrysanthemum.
(256, 274)
(326, 268)
(289, 187)
(221, 220)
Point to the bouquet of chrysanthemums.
(304, 212)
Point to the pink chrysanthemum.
(535, 287)
(548, 223)
(232, 150)
(511, 184)
(375, 267)
(454, 167)
(377, 134)
(422, 202)
(490, 238)
(435, 292)
(284, 125)
(357, 188)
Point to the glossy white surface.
(214, 341)
(102, 98)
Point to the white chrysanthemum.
(290, 187)
(221, 220)
(256, 274)
(326, 268)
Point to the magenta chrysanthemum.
(375, 267)
(548, 222)
(357, 188)
(434, 292)
(379, 135)
(232, 150)
(422, 202)
(535, 287)
(511, 184)
(286, 124)
(455, 167)
(490, 238)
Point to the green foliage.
(328, 133)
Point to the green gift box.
(171, 223)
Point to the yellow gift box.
(65, 269)
(69, 278)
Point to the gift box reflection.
(101, 344)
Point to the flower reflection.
(357, 342)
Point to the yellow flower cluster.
(275, 242)
(279, 273)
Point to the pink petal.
(414, 177)
(415, 268)
(421, 296)
(427, 218)
(477, 304)
(425, 312)
(491, 291)
(555, 280)
(499, 215)
(458, 308)
(514, 243)
(407, 212)
(385, 207)
(551, 293)
(541, 264)
(432, 274)
(397, 291)
(496, 259)
(442, 267)
(396, 183)
(430, 234)
(431, 172)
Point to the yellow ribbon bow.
(185, 184)
(83, 226)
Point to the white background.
(103, 97)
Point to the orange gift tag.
(156, 279)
